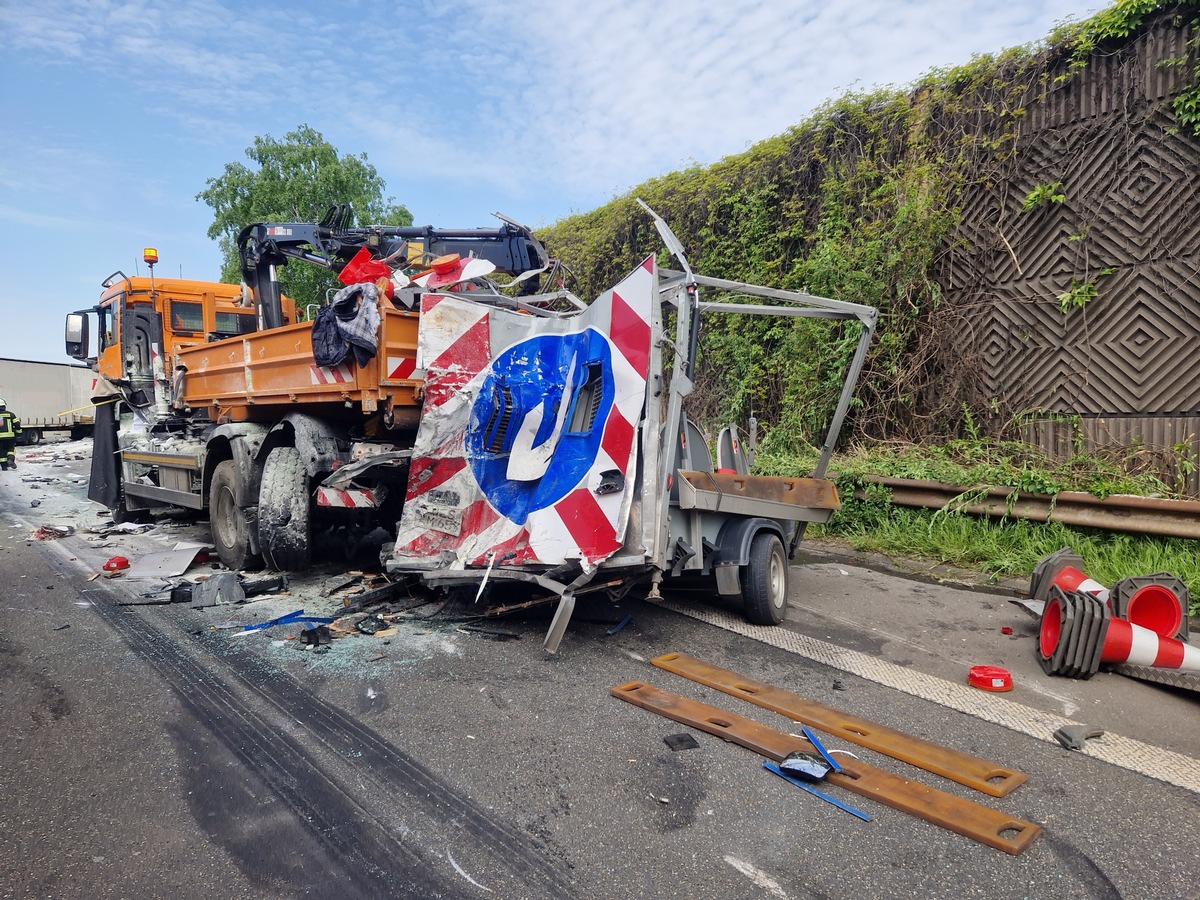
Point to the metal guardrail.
(1118, 512)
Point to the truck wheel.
(33, 436)
(285, 512)
(230, 530)
(765, 580)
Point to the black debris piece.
(273, 584)
(679, 742)
(316, 636)
(497, 633)
(371, 624)
(1073, 737)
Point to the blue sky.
(113, 114)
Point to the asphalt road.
(150, 754)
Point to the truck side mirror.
(78, 342)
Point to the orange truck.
(212, 397)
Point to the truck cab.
(144, 322)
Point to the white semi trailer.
(48, 396)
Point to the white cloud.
(584, 95)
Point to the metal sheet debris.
(771, 767)
(167, 564)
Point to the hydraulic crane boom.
(332, 242)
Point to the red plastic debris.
(363, 268)
(990, 678)
(116, 563)
(1007, 629)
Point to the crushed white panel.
(167, 564)
(1145, 759)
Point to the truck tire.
(285, 512)
(227, 520)
(33, 436)
(765, 580)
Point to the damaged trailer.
(553, 448)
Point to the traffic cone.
(1062, 569)
(1078, 633)
(1070, 578)
(1071, 634)
(1134, 645)
(1155, 601)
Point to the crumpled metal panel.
(526, 452)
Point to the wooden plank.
(972, 771)
(970, 819)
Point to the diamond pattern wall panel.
(1132, 190)
(1121, 354)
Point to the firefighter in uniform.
(10, 430)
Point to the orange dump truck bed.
(253, 376)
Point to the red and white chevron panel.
(339, 374)
(340, 498)
(401, 367)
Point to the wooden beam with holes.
(971, 771)
(970, 819)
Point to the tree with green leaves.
(296, 180)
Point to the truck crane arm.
(331, 242)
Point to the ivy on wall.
(862, 202)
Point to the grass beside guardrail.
(997, 547)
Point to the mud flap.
(104, 485)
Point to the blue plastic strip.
(771, 767)
(625, 621)
(281, 620)
(812, 739)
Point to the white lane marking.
(758, 876)
(1154, 762)
(1069, 707)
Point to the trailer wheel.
(285, 512)
(33, 436)
(765, 580)
(230, 529)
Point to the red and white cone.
(1156, 602)
(1070, 578)
(1134, 645)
